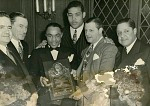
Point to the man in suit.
(132, 50)
(19, 30)
(51, 53)
(9, 62)
(74, 35)
(99, 57)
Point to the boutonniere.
(95, 57)
(139, 62)
(71, 57)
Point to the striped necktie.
(75, 36)
(20, 50)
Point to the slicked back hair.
(75, 4)
(127, 20)
(97, 21)
(13, 16)
(54, 25)
(4, 14)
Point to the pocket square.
(139, 62)
(95, 57)
(71, 57)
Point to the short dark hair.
(43, 33)
(13, 15)
(4, 14)
(75, 4)
(54, 25)
(96, 20)
(127, 20)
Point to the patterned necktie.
(9, 55)
(87, 55)
(75, 37)
(85, 61)
(20, 50)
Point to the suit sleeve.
(108, 58)
(35, 67)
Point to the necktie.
(20, 50)
(124, 53)
(75, 37)
(85, 61)
(9, 55)
(87, 55)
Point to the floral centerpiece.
(12, 92)
(129, 84)
(99, 89)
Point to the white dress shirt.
(16, 44)
(3, 48)
(130, 46)
(94, 45)
(79, 30)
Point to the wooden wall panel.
(10, 5)
(36, 23)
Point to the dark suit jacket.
(18, 69)
(37, 59)
(77, 48)
(139, 50)
(25, 50)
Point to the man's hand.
(44, 82)
(108, 40)
(76, 95)
(74, 73)
(42, 44)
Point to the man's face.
(75, 17)
(92, 33)
(19, 28)
(53, 35)
(126, 34)
(5, 30)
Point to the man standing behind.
(74, 35)
(19, 30)
(99, 57)
(133, 49)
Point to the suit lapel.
(90, 65)
(13, 49)
(130, 57)
(4, 57)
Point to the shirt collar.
(15, 42)
(94, 45)
(3, 48)
(130, 46)
(79, 30)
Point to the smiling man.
(52, 53)
(99, 57)
(132, 50)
